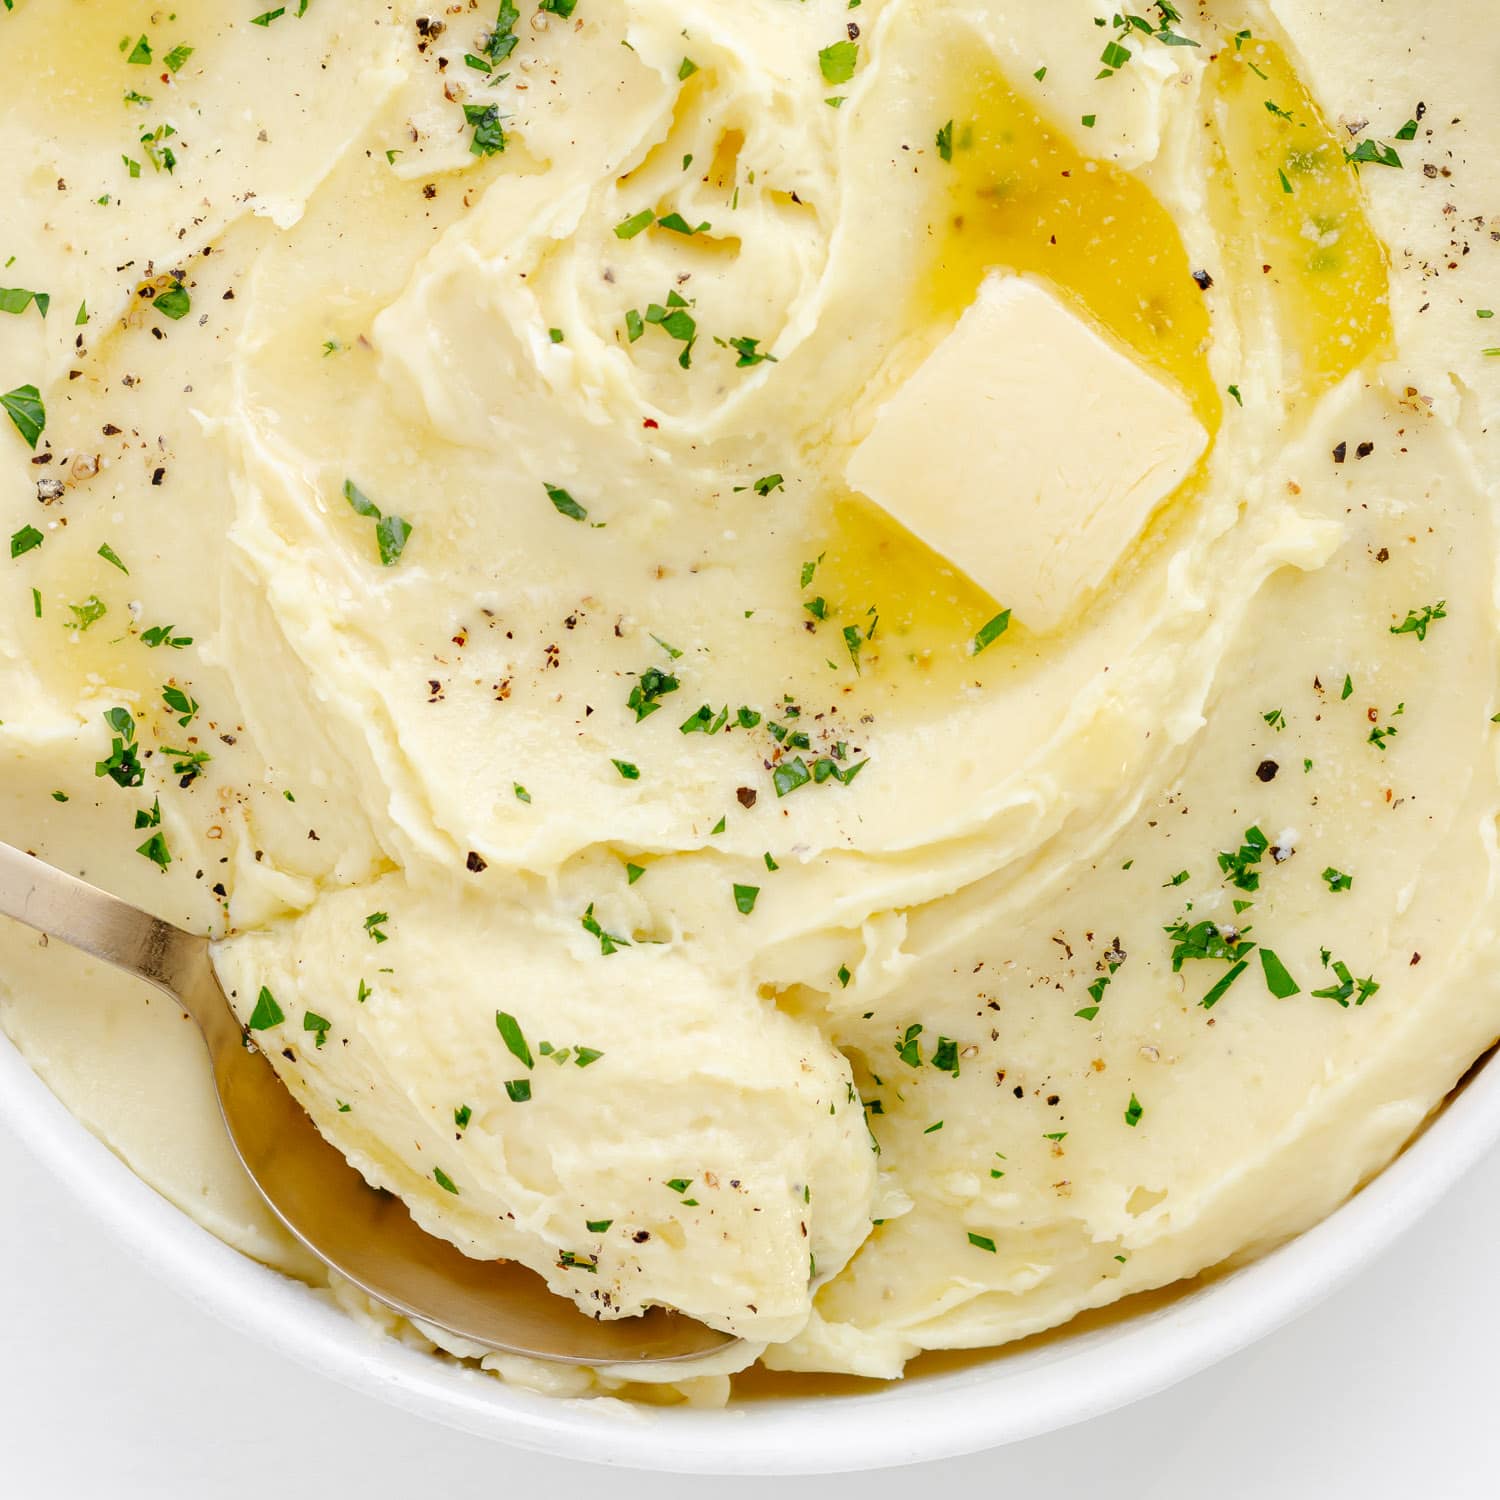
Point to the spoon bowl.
(363, 1233)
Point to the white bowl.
(992, 1401)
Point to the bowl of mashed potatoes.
(832, 666)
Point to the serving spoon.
(364, 1234)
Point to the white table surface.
(111, 1385)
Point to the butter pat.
(1029, 451)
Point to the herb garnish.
(651, 686)
(25, 540)
(1348, 987)
(515, 1041)
(18, 299)
(1278, 981)
(174, 303)
(267, 1012)
(608, 942)
(839, 61)
(1417, 621)
(26, 409)
(161, 635)
(990, 632)
(122, 766)
(564, 503)
(391, 532)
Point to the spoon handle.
(85, 917)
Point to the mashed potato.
(830, 666)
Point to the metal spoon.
(364, 1234)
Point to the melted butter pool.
(1019, 196)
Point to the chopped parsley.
(1372, 153)
(1348, 987)
(174, 303)
(391, 532)
(704, 720)
(564, 503)
(1337, 879)
(749, 352)
(1205, 941)
(627, 229)
(489, 134)
(155, 849)
(26, 409)
(180, 703)
(312, 1021)
(27, 539)
(1133, 1111)
(1417, 621)
(1239, 865)
(267, 1012)
(161, 635)
(673, 319)
(838, 62)
(1116, 54)
(745, 897)
(1219, 990)
(990, 632)
(790, 775)
(608, 942)
(375, 926)
(444, 1181)
(90, 612)
(651, 686)
(122, 765)
(1278, 981)
(18, 299)
(909, 1048)
(678, 225)
(510, 1032)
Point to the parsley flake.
(267, 1012)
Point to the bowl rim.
(985, 1405)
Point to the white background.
(113, 1386)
